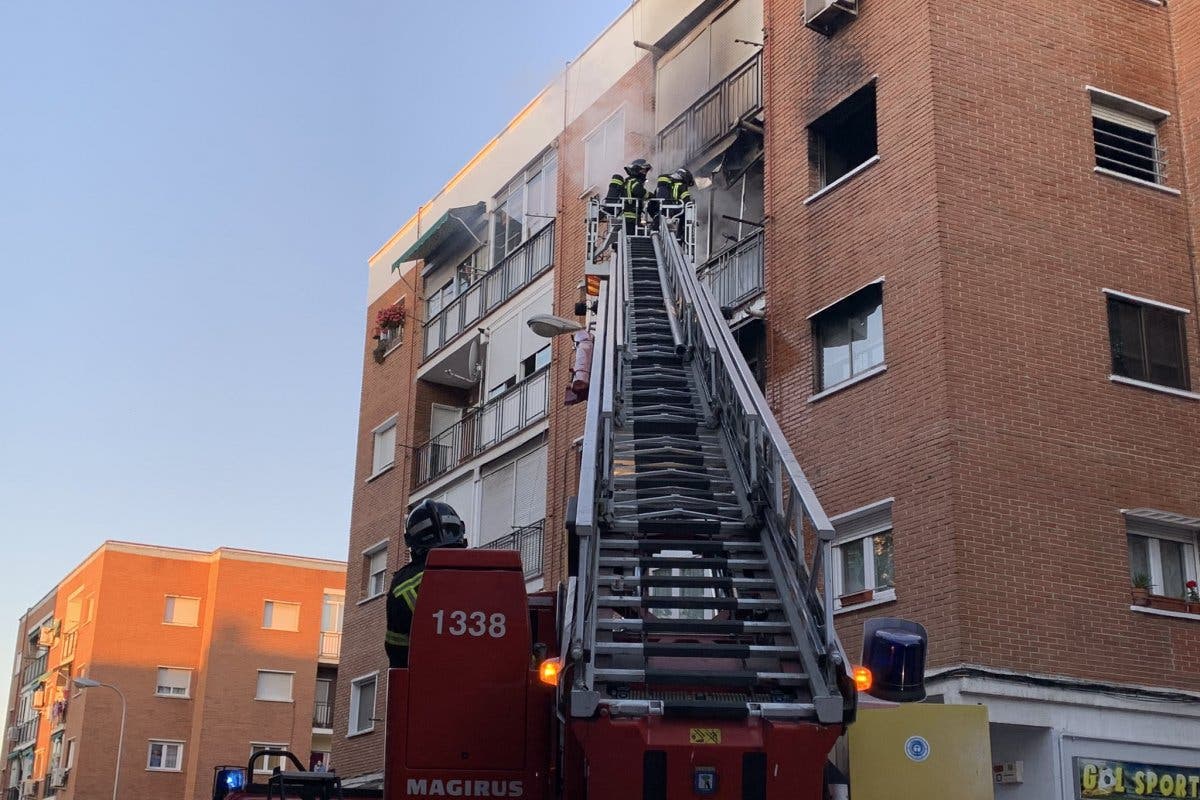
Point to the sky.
(189, 193)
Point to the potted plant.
(393, 316)
(1165, 603)
(854, 598)
(1141, 589)
(1193, 598)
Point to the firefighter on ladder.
(430, 524)
(672, 190)
(630, 193)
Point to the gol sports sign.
(1119, 780)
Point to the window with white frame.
(173, 682)
(181, 611)
(604, 151)
(165, 756)
(1148, 341)
(862, 554)
(1126, 138)
(279, 616)
(848, 337)
(1163, 549)
(383, 453)
(274, 686)
(844, 138)
(525, 206)
(362, 704)
(375, 571)
(267, 764)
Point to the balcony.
(35, 669)
(330, 646)
(484, 427)
(528, 542)
(23, 733)
(735, 275)
(737, 98)
(519, 269)
(13, 793)
(322, 715)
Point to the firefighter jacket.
(630, 192)
(401, 600)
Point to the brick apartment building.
(958, 242)
(214, 652)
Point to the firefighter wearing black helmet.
(674, 189)
(629, 192)
(430, 524)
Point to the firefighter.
(430, 524)
(673, 189)
(629, 190)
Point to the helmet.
(432, 524)
(684, 175)
(639, 166)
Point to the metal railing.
(35, 669)
(331, 645)
(23, 733)
(518, 269)
(735, 275)
(778, 488)
(13, 793)
(484, 427)
(528, 542)
(66, 646)
(1117, 151)
(737, 97)
(322, 715)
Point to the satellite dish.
(549, 326)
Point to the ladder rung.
(662, 677)
(692, 626)
(683, 562)
(702, 603)
(694, 649)
(686, 582)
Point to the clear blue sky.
(188, 196)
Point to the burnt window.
(1147, 342)
(1127, 144)
(844, 138)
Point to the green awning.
(459, 221)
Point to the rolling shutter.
(531, 488)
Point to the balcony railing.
(331, 645)
(23, 733)
(737, 97)
(13, 793)
(518, 269)
(35, 669)
(735, 275)
(322, 715)
(484, 427)
(528, 542)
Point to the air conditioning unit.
(58, 778)
(826, 16)
(29, 788)
(47, 634)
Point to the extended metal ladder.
(692, 595)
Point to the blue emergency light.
(229, 779)
(894, 652)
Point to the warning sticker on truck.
(705, 736)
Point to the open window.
(844, 139)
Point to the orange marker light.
(593, 285)
(862, 678)
(548, 672)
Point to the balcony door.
(441, 426)
(514, 496)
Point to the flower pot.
(1193, 607)
(1168, 603)
(1140, 597)
(865, 596)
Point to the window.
(1148, 341)
(849, 338)
(74, 614)
(862, 554)
(68, 761)
(1162, 547)
(274, 686)
(1125, 136)
(362, 705)
(165, 756)
(267, 764)
(279, 616)
(439, 298)
(501, 388)
(375, 570)
(844, 139)
(604, 151)
(332, 608)
(173, 682)
(525, 206)
(384, 447)
(181, 611)
(535, 362)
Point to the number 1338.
(470, 623)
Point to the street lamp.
(88, 683)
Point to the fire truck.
(691, 653)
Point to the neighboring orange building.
(214, 652)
